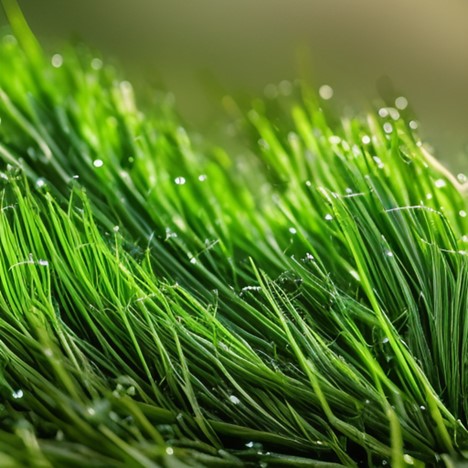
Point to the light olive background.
(356, 46)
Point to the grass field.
(164, 302)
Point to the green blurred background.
(419, 48)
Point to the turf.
(167, 302)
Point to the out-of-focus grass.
(165, 304)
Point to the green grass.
(164, 302)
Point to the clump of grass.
(164, 303)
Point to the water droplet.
(96, 64)
(169, 451)
(379, 162)
(91, 411)
(249, 444)
(401, 102)
(328, 217)
(292, 230)
(48, 352)
(389, 253)
(366, 140)
(193, 260)
(326, 92)
(439, 183)
(422, 408)
(116, 228)
(462, 213)
(394, 114)
(308, 183)
(202, 177)
(18, 394)
(43, 262)
(385, 340)
(383, 112)
(98, 163)
(461, 178)
(413, 124)
(429, 196)
(57, 60)
(334, 140)
(465, 238)
(355, 274)
(234, 399)
(40, 183)
(408, 459)
(180, 180)
(388, 127)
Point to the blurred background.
(362, 48)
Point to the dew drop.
(439, 183)
(461, 178)
(249, 444)
(383, 112)
(388, 127)
(193, 260)
(389, 253)
(43, 262)
(462, 213)
(366, 140)
(116, 228)
(379, 162)
(326, 92)
(202, 177)
(180, 180)
(98, 163)
(401, 102)
(169, 451)
(429, 196)
(292, 230)
(40, 183)
(413, 124)
(234, 399)
(57, 60)
(408, 459)
(328, 217)
(17, 394)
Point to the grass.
(166, 303)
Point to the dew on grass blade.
(40, 183)
(17, 394)
(462, 213)
(292, 230)
(180, 180)
(202, 177)
(366, 140)
(169, 451)
(98, 163)
(461, 178)
(234, 399)
(440, 183)
(413, 125)
(388, 127)
(389, 253)
(328, 217)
